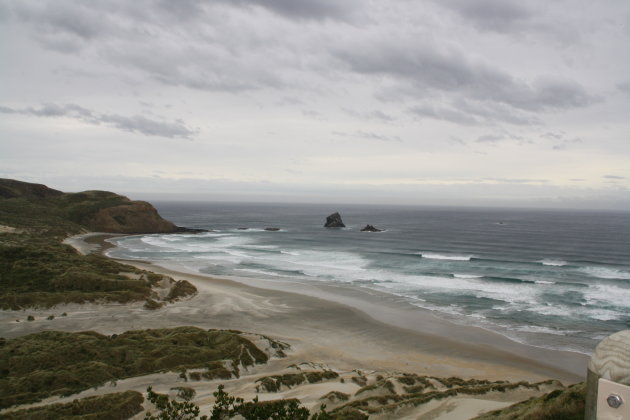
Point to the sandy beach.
(342, 330)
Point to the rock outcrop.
(135, 217)
(370, 228)
(334, 221)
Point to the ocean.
(549, 278)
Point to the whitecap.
(434, 256)
(259, 272)
(608, 295)
(295, 254)
(605, 273)
(467, 276)
(543, 330)
(553, 263)
(604, 314)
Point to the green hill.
(36, 269)
(35, 206)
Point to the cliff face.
(135, 217)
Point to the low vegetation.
(567, 404)
(388, 395)
(48, 363)
(289, 380)
(226, 407)
(117, 406)
(44, 274)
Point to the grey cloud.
(490, 138)
(148, 127)
(426, 70)
(64, 25)
(457, 140)
(613, 177)
(499, 136)
(561, 139)
(312, 114)
(467, 112)
(375, 136)
(624, 87)
(442, 113)
(518, 17)
(380, 115)
(494, 15)
(311, 9)
(553, 136)
(133, 124)
(367, 135)
(490, 112)
(377, 115)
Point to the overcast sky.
(458, 102)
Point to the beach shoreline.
(432, 335)
(326, 327)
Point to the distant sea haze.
(556, 279)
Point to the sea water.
(550, 278)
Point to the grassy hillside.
(35, 206)
(37, 270)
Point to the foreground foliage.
(48, 363)
(227, 406)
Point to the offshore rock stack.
(334, 221)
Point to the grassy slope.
(565, 404)
(49, 363)
(36, 269)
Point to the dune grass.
(117, 406)
(289, 380)
(567, 404)
(48, 363)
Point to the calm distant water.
(555, 279)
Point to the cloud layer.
(322, 91)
